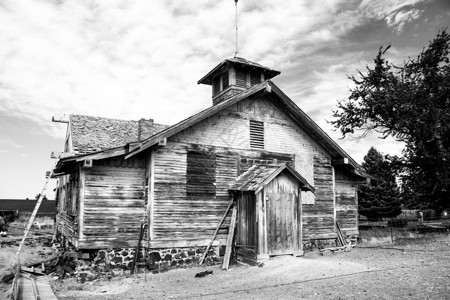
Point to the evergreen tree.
(380, 197)
(412, 104)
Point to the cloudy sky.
(133, 59)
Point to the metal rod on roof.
(235, 54)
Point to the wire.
(237, 48)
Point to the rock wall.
(160, 260)
(115, 262)
(310, 245)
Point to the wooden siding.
(68, 227)
(346, 202)
(68, 198)
(183, 219)
(114, 204)
(230, 128)
(318, 218)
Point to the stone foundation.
(160, 260)
(310, 245)
(113, 262)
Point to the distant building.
(9, 207)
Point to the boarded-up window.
(256, 134)
(241, 78)
(201, 174)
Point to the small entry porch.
(269, 212)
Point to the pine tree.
(380, 197)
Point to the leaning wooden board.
(226, 259)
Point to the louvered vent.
(225, 80)
(216, 85)
(256, 134)
(241, 78)
(255, 78)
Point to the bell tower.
(234, 75)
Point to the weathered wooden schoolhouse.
(290, 181)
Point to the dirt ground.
(408, 269)
(417, 269)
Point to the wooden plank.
(229, 245)
(246, 255)
(284, 221)
(300, 222)
(260, 249)
(265, 220)
(138, 248)
(215, 232)
(34, 270)
(151, 196)
(290, 217)
(35, 290)
(339, 235)
(32, 287)
(278, 226)
(245, 251)
(334, 195)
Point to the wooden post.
(265, 200)
(260, 223)
(82, 184)
(151, 195)
(229, 247)
(134, 266)
(339, 235)
(300, 220)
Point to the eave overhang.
(238, 61)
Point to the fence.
(396, 229)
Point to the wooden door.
(246, 220)
(281, 223)
(246, 228)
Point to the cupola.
(234, 75)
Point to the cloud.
(398, 19)
(396, 13)
(8, 142)
(139, 59)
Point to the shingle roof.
(90, 134)
(255, 178)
